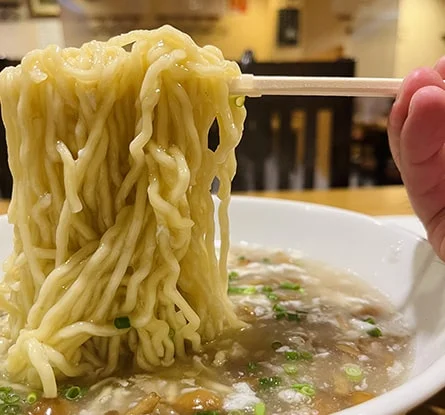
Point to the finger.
(440, 67)
(422, 155)
(422, 135)
(417, 79)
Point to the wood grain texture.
(387, 200)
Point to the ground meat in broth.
(318, 341)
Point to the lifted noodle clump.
(114, 248)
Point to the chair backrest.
(286, 127)
(5, 173)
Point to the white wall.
(373, 41)
(421, 27)
(18, 38)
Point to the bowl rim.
(414, 391)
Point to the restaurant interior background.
(289, 142)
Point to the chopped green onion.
(31, 398)
(10, 409)
(375, 332)
(267, 289)
(239, 101)
(293, 316)
(266, 260)
(241, 290)
(276, 345)
(260, 408)
(4, 392)
(353, 372)
(278, 308)
(270, 382)
(272, 297)
(252, 366)
(304, 388)
(207, 413)
(280, 311)
(280, 315)
(122, 322)
(73, 393)
(369, 320)
(290, 368)
(12, 398)
(287, 285)
(293, 355)
(233, 275)
(10, 402)
(306, 355)
(241, 258)
(236, 412)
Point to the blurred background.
(289, 142)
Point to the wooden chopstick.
(256, 86)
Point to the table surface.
(388, 200)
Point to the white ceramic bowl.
(392, 259)
(396, 261)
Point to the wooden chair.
(269, 128)
(5, 173)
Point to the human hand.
(416, 132)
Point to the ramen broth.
(318, 341)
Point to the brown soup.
(318, 341)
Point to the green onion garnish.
(10, 409)
(304, 388)
(278, 308)
(239, 101)
(293, 355)
(280, 311)
(31, 398)
(353, 372)
(4, 392)
(233, 275)
(293, 316)
(306, 355)
(252, 367)
(209, 413)
(290, 368)
(375, 332)
(236, 412)
(272, 297)
(73, 393)
(260, 408)
(267, 289)
(9, 402)
(12, 398)
(270, 382)
(241, 258)
(369, 320)
(266, 260)
(122, 322)
(276, 345)
(287, 285)
(241, 290)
